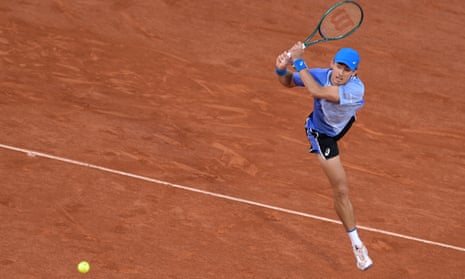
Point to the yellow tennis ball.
(83, 267)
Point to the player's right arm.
(282, 61)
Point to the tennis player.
(338, 93)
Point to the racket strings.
(341, 21)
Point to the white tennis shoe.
(362, 259)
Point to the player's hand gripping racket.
(338, 22)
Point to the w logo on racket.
(341, 20)
(338, 22)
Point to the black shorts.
(325, 145)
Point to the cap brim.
(348, 64)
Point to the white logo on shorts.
(327, 151)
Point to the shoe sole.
(368, 267)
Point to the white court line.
(34, 153)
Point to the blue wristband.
(299, 64)
(281, 72)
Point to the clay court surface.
(152, 139)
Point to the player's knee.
(341, 192)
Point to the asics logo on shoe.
(362, 259)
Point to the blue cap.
(348, 57)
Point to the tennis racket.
(338, 22)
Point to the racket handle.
(289, 54)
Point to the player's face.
(341, 73)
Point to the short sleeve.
(319, 75)
(297, 80)
(352, 92)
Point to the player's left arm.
(330, 93)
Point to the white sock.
(354, 238)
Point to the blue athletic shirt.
(328, 117)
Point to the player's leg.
(335, 172)
(337, 178)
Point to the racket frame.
(307, 41)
